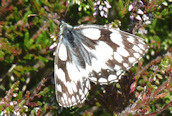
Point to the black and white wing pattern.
(92, 53)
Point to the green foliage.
(26, 64)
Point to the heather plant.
(26, 58)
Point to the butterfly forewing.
(92, 53)
(71, 86)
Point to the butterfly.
(92, 53)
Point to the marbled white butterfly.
(92, 53)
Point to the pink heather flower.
(15, 95)
(11, 103)
(147, 22)
(140, 12)
(53, 37)
(138, 17)
(52, 47)
(102, 13)
(145, 17)
(105, 15)
(14, 102)
(130, 7)
(105, 9)
(95, 13)
(95, 7)
(107, 4)
(141, 3)
(132, 17)
(98, 2)
(100, 7)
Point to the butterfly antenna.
(68, 5)
(66, 11)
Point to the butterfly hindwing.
(113, 52)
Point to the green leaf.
(25, 18)
(26, 38)
(51, 26)
(1, 54)
(46, 90)
(43, 59)
(28, 56)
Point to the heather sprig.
(137, 10)
(101, 7)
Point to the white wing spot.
(141, 40)
(59, 88)
(140, 51)
(125, 65)
(116, 80)
(117, 67)
(120, 76)
(137, 55)
(141, 46)
(102, 52)
(74, 86)
(137, 49)
(131, 39)
(77, 97)
(83, 97)
(86, 91)
(73, 99)
(95, 65)
(116, 38)
(65, 96)
(119, 72)
(94, 79)
(69, 100)
(104, 65)
(55, 71)
(131, 59)
(92, 33)
(118, 57)
(61, 75)
(122, 51)
(80, 91)
(88, 84)
(63, 52)
(69, 87)
(73, 72)
(112, 77)
(102, 80)
(62, 99)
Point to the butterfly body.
(92, 53)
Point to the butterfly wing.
(71, 85)
(111, 52)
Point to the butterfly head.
(66, 31)
(64, 26)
